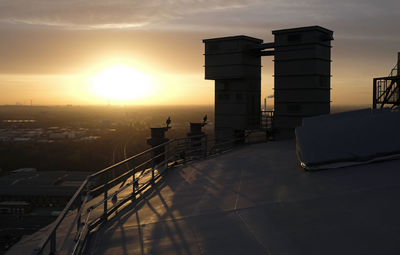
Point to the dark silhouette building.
(302, 60)
(302, 74)
(237, 74)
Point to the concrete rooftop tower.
(236, 70)
(302, 74)
(302, 61)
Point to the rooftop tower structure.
(302, 79)
(236, 70)
(302, 71)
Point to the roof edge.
(236, 37)
(299, 29)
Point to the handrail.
(395, 68)
(384, 94)
(386, 91)
(58, 221)
(155, 161)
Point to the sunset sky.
(56, 52)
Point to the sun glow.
(122, 83)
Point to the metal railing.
(267, 123)
(394, 71)
(386, 90)
(104, 192)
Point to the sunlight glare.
(122, 83)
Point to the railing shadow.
(175, 222)
(105, 193)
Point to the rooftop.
(41, 183)
(258, 200)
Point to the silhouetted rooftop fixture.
(195, 127)
(198, 140)
(235, 65)
(386, 90)
(302, 78)
(302, 75)
(157, 138)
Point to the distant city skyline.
(54, 52)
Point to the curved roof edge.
(237, 37)
(302, 29)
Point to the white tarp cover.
(348, 138)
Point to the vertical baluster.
(133, 180)
(166, 155)
(105, 195)
(53, 243)
(79, 210)
(185, 149)
(205, 145)
(152, 165)
(79, 219)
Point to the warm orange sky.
(52, 51)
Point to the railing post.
(105, 195)
(187, 149)
(398, 63)
(133, 180)
(374, 95)
(79, 220)
(152, 165)
(205, 145)
(53, 243)
(166, 155)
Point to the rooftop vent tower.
(302, 76)
(236, 69)
(302, 79)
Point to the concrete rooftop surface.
(258, 200)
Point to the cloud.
(88, 14)
(354, 18)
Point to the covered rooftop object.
(348, 138)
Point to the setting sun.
(122, 83)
